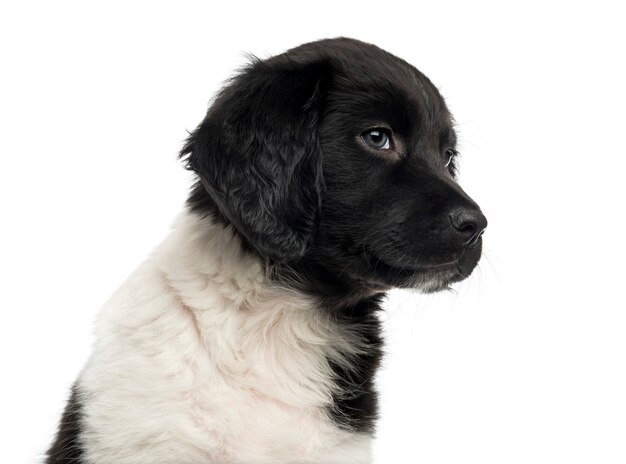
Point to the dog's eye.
(451, 164)
(377, 138)
(450, 155)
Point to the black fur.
(279, 156)
(66, 448)
(254, 148)
(357, 407)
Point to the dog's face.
(338, 158)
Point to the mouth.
(380, 266)
(428, 278)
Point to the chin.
(433, 278)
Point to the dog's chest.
(211, 365)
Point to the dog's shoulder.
(201, 357)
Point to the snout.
(469, 225)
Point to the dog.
(326, 176)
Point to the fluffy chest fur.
(199, 358)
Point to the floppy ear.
(258, 156)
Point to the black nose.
(470, 223)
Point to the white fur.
(200, 359)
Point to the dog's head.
(337, 159)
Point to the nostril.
(471, 223)
(466, 227)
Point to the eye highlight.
(377, 138)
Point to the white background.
(524, 363)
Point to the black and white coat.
(200, 359)
(251, 335)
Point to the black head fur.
(257, 155)
(278, 156)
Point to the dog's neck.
(205, 245)
(225, 287)
(333, 292)
(201, 251)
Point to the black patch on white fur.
(356, 407)
(66, 448)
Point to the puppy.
(325, 177)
